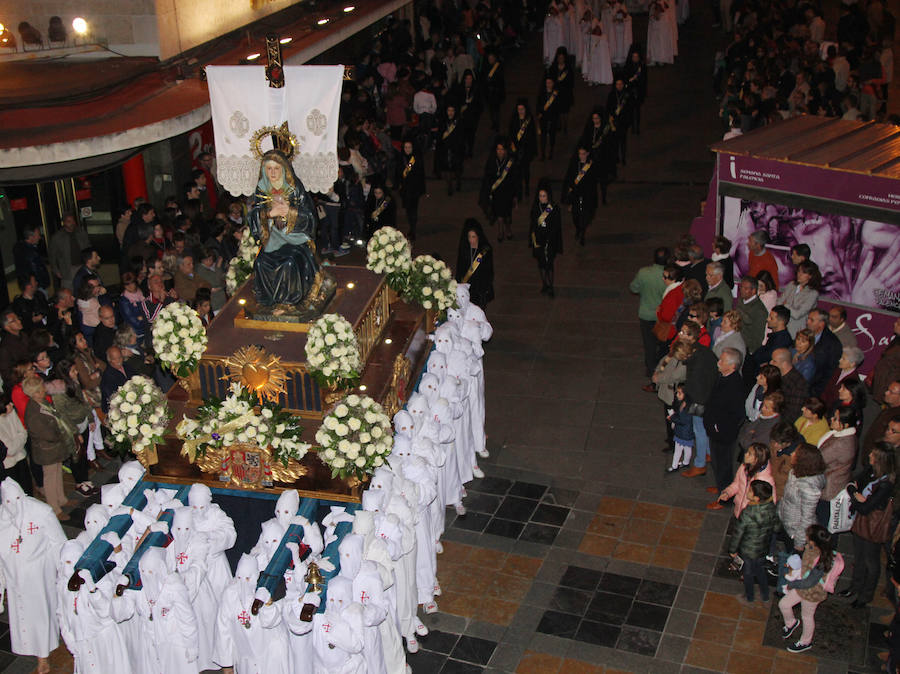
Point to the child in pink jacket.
(755, 467)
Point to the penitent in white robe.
(88, 629)
(211, 520)
(252, 644)
(600, 69)
(553, 36)
(167, 620)
(660, 48)
(30, 541)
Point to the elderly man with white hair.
(723, 416)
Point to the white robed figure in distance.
(553, 32)
(660, 48)
(621, 37)
(600, 66)
(30, 541)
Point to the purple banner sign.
(852, 188)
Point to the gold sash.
(562, 75)
(503, 173)
(582, 171)
(550, 100)
(450, 129)
(412, 161)
(378, 211)
(494, 69)
(542, 218)
(474, 265)
(520, 133)
(465, 106)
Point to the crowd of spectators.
(782, 60)
(764, 386)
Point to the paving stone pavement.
(579, 554)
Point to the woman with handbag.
(871, 494)
(838, 447)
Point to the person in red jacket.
(760, 258)
(673, 296)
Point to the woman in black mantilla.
(283, 219)
(475, 263)
(523, 142)
(545, 236)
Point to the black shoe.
(786, 631)
(799, 648)
(670, 470)
(846, 594)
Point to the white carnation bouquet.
(138, 415)
(332, 351)
(355, 437)
(431, 284)
(241, 265)
(179, 338)
(389, 253)
(240, 418)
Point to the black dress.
(481, 280)
(450, 149)
(565, 84)
(548, 112)
(545, 236)
(499, 187)
(523, 146)
(411, 185)
(494, 84)
(580, 190)
(380, 212)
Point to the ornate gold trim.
(248, 466)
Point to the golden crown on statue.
(282, 140)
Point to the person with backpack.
(820, 569)
(752, 534)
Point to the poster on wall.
(859, 258)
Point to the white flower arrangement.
(389, 253)
(332, 351)
(179, 338)
(237, 419)
(241, 265)
(431, 284)
(138, 415)
(355, 437)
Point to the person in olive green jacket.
(648, 284)
(751, 538)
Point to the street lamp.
(80, 26)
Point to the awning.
(121, 115)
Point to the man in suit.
(723, 418)
(826, 352)
(753, 313)
(715, 280)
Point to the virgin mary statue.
(283, 219)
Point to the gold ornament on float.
(257, 370)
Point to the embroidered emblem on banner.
(239, 124)
(316, 122)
